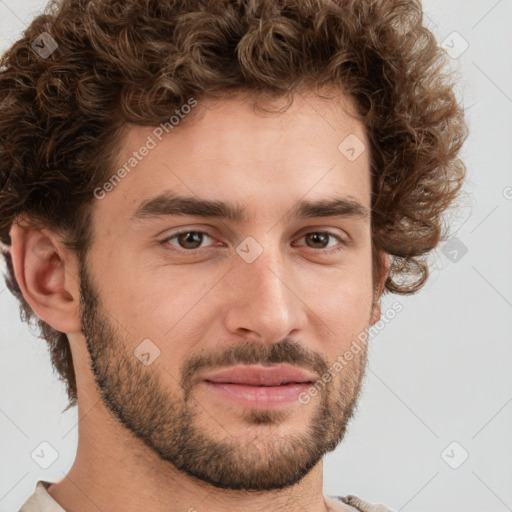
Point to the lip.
(258, 397)
(255, 375)
(259, 387)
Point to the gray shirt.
(41, 501)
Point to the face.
(205, 323)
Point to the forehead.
(231, 148)
(307, 117)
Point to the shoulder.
(41, 500)
(362, 506)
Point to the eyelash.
(343, 243)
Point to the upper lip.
(261, 375)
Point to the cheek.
(348, 305)
(176, 305)
(138, 301)
(170, 306)
(341, 308)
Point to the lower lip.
(259, 397)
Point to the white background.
(438, 373)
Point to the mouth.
(255, 375)
(259, 387)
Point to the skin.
(204, 303)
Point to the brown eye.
(188, 240)
(318, 240)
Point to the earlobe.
(376, 312)
(42, 270)
(386, 265)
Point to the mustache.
(246, 352)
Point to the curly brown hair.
(63, 116)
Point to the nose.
(263, 302)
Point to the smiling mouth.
(259, 387)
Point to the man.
(202, 206)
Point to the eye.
(321, 238)
(188, 240)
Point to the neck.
(116, 471)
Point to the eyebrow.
(173, 204)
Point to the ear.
(385, 261)
(46, 272)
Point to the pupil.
(316, 236)
(193, 237)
